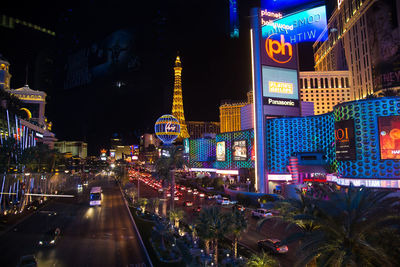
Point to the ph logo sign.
(279, 51)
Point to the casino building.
(358, 142)
(363, 37)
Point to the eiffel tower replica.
(177, 104)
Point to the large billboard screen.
(389, 137)
(304, 26)
(239, 150)
(280, 85)
(345, 141)
(221, 151)
(384, 46)
(114, 54)
(288, 5)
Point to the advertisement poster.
(345, 141)
(384, 42)
(288, 5)
(239, 150)
(389, 137)
(221, 151)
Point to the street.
(90, 236)
(271, 229)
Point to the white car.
(261, 213)
(223, 201)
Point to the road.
(271, 229)
(90, 236)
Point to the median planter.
(171, 254)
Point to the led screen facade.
(389, 137)
(280, 86)
(239, 150)
(345, 143)
(221, 151)
(304, 26)
(288, 5)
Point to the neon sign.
(274, 47)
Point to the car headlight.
(40, 243)
(52, 242)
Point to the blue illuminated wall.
(285, 136)
(202, 153)
(365, 114)
(233, 19)
(229, 137)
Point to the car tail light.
(278, 249)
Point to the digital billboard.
(345, 141)
(221, 151)
(304, 26)
(389, 137)
(384, 46)
(114, 54)
(280, 86)
(288, 5)
(239, 150)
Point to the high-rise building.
(229, 114)
(363, 35)
(325, 89)
(197, 129)
(76, 148)
(177, 104)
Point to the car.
(189, 190)
(201, 195)
(176, 198)
(223, 201)
(209, 197)
(272, 245)
(188, 203)
(195, 192)
(86, 183)
(238, 207)
(50, 238)
(197, 209)
(261, 213)
(27, 261)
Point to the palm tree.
(262, 260)
(348, 225)
(212, 225)
(237, 227)
(155, 203)
(175, 216)
(165, 167)
(143, 203)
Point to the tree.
(165, 167)
(155, 203)
(143, 203)
(212, 225)
(175, 216)
(262, 260)
(347, 226)
(237, 227)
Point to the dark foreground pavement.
(90, 236)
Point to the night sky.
(215, 67)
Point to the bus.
(95, 196)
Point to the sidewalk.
(9, 221)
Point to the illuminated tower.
(177, 104)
